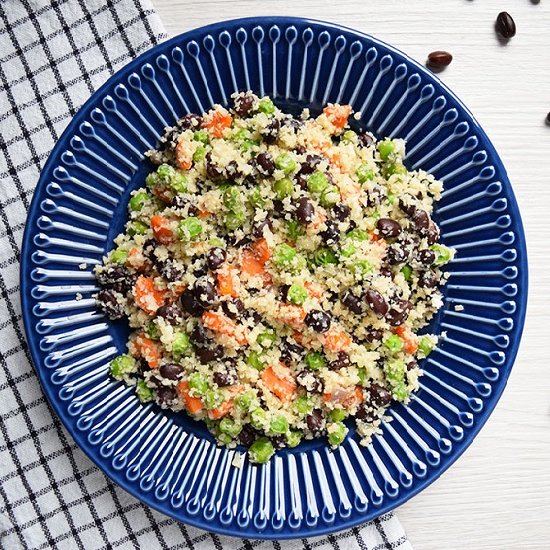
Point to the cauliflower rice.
(275, 271)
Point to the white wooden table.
(498, 494)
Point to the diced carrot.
(147, 297)
(162, 229)
(184, 157)
(291, 315)
(250, 264)
(336, 162)
(222, 410)
(162, 193)
(135, 259)
(261, 250)
(299, 337)
(192, 404)
(410, 340)
(218, 322)
(226, 281)
(345, 397)
(149, 350)
(217, 121)
(283, 387)
(336, 340)
(314, 290)
(337, 114)
(204, 213)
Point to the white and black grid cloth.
(53, 56)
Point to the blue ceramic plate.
(169, 461)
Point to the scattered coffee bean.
(439, 59)
(505, 25)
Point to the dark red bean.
(396, 254)
(258, 230)
(412, 365)
(233, 308)
(379, 395)
(310, 164)
(373, 335)
(318, 320)
(341, 212)
(439, 59)
(171, 313)
(300, 150)
(426, 256)
(377, 302)
(215, 257)
(271, 131)
(265, 164)
(213, 171)
(248, 435)
(505, 25)
(117, 277)
(206, 355)
(243, 105)
(314, 420)
(432, 233)
(290, 351)
(169, 270)
(227, 378)
(421, 220)
(278, 208)
(205, 292)
(365, 140)
(278, 441)
(190, 121)
(331, 234)
(233, 171)
(307, 380)
(190, 304)
(386, 271)
(353, 303)
(427, 279)
(398, 313)
(304, 211)
(366, 413)
(388, 228)
(376, 195)
(166, 395)
(342, 361)
(111, 303)
(171, 371)
(199, 335)
(408, 208)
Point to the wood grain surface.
(498, 493)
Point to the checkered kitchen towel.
(53, 55)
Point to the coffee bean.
(548, 118)
(439, 59)
(505, 25)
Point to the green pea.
(294, 229)
(315, 360)
(364, 173)
(329, 196)
(266, 339)
(349, 136)
(362, 375)
(285, 163)
(119, 256)
(426, 345)
(298, 263)
(138, 200)
(178, 182)
(143, 392)
(266, 106)
(394, 343)
(386, 149)
(137, 228)
(395, 372)
(348, 250)
(297, 294)
(121, 365)
(338, 414)
(234, 220)
(407, 272)
(199, 154)
(230, 427)
(358, 235)
(395, 168)
(303, 404)
(375, 214)
(391, 198)
(181, 343)
(198, 383)
(244, 400)
(317, 182)
(400, 391)
(248, 145)
(283, 188)
(212, 398)
(254, 360)
(241, 134)
(293, 438)
(152, 180)
(261, 450)
(325, 256)
(362, 267)
(153, 331)
(216, 242)
(232, 198)
(283, 254)
(224, 438)
(188, 229)
(444, 254)
(202, 136)
(258, 418)
(279, 425)
(337, 434)
(165, 172)
(255, 198)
